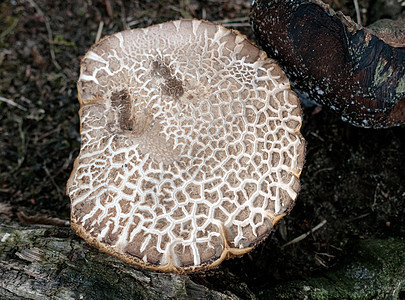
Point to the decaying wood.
(44, 262)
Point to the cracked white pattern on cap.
(191, 149)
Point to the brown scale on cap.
(191, 148)
(358, 72)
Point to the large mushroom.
(191, 148)
(358, 72)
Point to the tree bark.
(47, 262)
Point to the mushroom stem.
(357, 8)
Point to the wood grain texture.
(45, 262)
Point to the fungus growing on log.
(191, 148)
(358, 72)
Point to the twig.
(317, 136)
(12, 103)
(109, 8)
(325, 254)
(234, 20)
(320, 261)
(53, 181)
(358, 217)
(322, 170)
(41, 219)
(303, 236)
(99, 30)
(49, 31)
(203, 13)
(9, 29)
(357, 8)
(123, 15)
(134, 23)
(246, 24)
(48, 133)
(337, 248)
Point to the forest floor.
(353, 182)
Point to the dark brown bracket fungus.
(358, 72)
(191, 148)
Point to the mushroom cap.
(355, 71)
(191, 148)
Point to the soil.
(353, 183)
